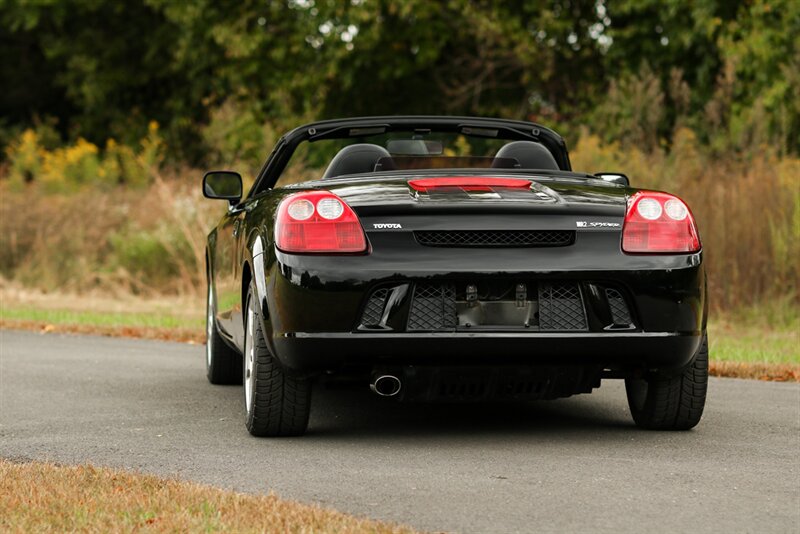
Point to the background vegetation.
(110, 109)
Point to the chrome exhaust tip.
(386, 385)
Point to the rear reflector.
(318, 222)
(659, 223)
(468, 183)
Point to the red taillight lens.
(658, 223)
(318, 222)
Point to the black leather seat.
(529, 154)
(355, 159)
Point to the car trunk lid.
(482, 202)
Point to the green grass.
(157, 319)
(737, 342)
(765, 333)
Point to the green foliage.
(634, 110)
(739, 60)
(761, 45)
(235, 135)
(223, 77)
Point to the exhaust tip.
(386, 385)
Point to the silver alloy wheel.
(209, 325)
(249, 357)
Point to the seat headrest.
(355, 159)
(529, 154)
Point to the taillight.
(659, 223)
(318, 222)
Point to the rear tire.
(276, 403)
(223, 364)
(674, 402)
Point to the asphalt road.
(567, 465)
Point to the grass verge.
(154, 319)
(165, 318)
(42, 497)
(776, 372)
(757, 343)
(182, 335)
(737, 339)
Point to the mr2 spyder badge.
(585, 224)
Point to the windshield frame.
(510, 130)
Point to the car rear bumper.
(312, 352)
(317, 309)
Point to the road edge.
(775, 372)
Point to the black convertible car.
(450, 259)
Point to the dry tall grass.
(151, 240)
(145, 241)
(41, 497)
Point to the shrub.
(25, 157)
(237, 137)
(152, 257)
(634, 110)
(70, 167)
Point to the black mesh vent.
(433, 308)
(374, 308)
(561, 307)
(495, 238)
(619, 310)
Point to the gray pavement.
(566, 465)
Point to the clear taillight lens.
(318, 222)
(659, 223)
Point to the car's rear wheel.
(277, 403)
(673, 402)
(223, 364)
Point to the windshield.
(411, 151)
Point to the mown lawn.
(732, 342)
(153, 319)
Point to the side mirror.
(613, 177)
(225, 185)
